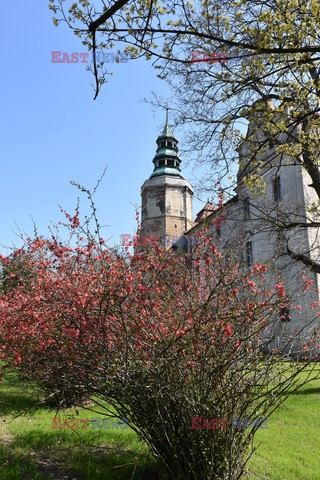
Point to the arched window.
(249, 254)
(277, 189)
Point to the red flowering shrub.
(163, 337)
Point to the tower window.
(277, 189)
(282, 242)
(169, 144)
(161, 163)
(246, 209)
(249, 254)
(163, 144)
(170, 163)
(284, 314)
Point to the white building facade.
(267, 216)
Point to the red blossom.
(192, 364)
(280, 289)
(307, 284)
(259, 268)
(18, 358)
(228, 330)
(179, 333)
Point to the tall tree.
(220, 58)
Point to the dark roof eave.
(231, 200)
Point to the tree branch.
(315, 266)
(103, 18)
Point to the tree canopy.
(222, 60)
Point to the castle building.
(254, 221)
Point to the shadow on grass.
(306, 391)
(16, 466)
(61, 455)
(39, 454)
(116, 463)
(16, 402)
(17, 397)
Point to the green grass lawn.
(31, 450)
(290, 447)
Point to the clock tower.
(166, 195)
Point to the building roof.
(207, 214)
(205, 211)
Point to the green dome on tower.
(166, 160)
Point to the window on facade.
(277, 189)
(282, 242)
(161, 163)
(170, 144)
(284, 314)
(249, 254)
(246, 209)
(170, 163)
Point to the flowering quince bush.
(163, 336)
(44, 323)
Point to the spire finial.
(167, 131)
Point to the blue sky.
(53, 131)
